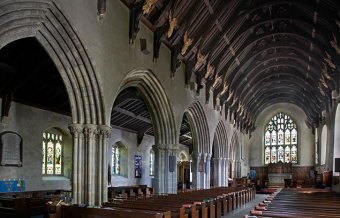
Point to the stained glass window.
(115, 160)
(281, 140)
(152, 162)
(52, 146)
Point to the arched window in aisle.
(280, 140)
(152, 162)
(52, 148)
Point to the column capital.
(90, 129)
(207, 156)
(76, 129)
(105, 130)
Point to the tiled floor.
(243, 210)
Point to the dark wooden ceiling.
(250, 53)
(29, 76)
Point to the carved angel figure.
(148, 6)
(328, 60)
(324, 71)
(200, 60)
(334, 44)
(225, 88)
(172, 24)
(210, 71)
(217, 80)
(186, 43)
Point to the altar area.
(278, 173)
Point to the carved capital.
(76, 129)
(105, 131)
(90, 130)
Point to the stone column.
(238, 168)
(202, 175)
(89, 180)
(227, 171)
(218, 172)
(207, 170)
(165, 181)
(90, 132)
(77, 166)
(232, 169)
(196, 181)
(223, 171)
(102, 179)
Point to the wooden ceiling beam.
(131, 114)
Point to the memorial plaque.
(10, 149)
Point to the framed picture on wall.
(10, 149)
(138, 166)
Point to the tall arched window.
(152, 162)
(280, 140)
(120, 159)
(52, 148)
(115, 160)
(323, 145)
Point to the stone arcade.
(170, 94)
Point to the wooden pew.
(72, 211)
(293, 203)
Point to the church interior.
(169, 108)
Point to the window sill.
(55, 178)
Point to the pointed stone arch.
(221, 140)
(219, 156)
(158, 104)
(199, 127)
(166, 139)
(44, 21)
(235, 156)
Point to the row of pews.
(300, 203)
(125, 192)
(208, 203)
(27, 204)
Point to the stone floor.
(245, 209)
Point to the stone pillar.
(165, 181)
(227, 171)
(77, 166)
(224, 176)
(102, 179)
(89, 180)
(218, 172)
(232, 169)
(90, 132)
(203, 172)
(196, 177)
(238, 168)
(207, 170)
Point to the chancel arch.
(146, 107)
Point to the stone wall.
(30, 123)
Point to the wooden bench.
(73, 211)
(294, 203)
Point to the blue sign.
(13, 185)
